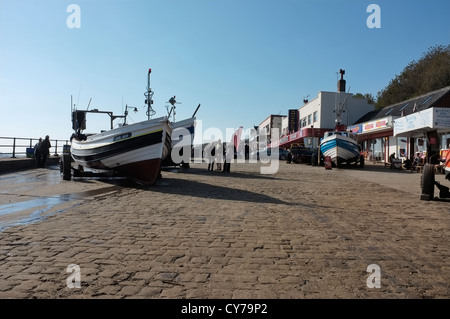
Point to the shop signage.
(442, 117)
(293, 120)
(355, 129)
(375, 125)
(434, 118)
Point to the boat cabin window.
(342, 133)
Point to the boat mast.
(339, 107)
(149, 95)
(172, 101)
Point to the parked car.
(282, 153)
(302, 154)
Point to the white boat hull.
(180, 128)
(341, 148)
(134, 150)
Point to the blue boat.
(342, 147)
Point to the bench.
(397, 164)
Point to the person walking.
(37, 153)
(45, 150)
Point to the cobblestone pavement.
(305, 232)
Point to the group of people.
(216, 153)
(42, 151)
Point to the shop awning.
(298, 136)
(415, 124)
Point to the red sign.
(328, 163)
(380, 123)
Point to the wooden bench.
(418, 168)
(392, 165)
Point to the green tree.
(430, 73)
(369, 97)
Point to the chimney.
(341, 82)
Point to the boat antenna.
(79, 92)
(193, 115)
(148, 97)
(172, 101)
(84, 118)
(89, 104)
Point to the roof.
(422, 102)
(271, 116)
(367, 117)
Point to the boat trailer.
(68, 169)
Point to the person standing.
(45, 150)
(219, 155)
(37, 153)
(209, 155)
(228, 157)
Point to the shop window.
(304, 122)
(376, 149)
(445, 141)
(402, 147)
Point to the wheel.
(65, 167)
(185, 165)
(361, 161)
(427, 182)
(282, 157)
(314, 159)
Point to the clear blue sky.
(241, 59)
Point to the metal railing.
(17, 146)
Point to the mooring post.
(56, 148)
(14, 148)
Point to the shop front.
(376, 139)
(307, 137)
(428, 132)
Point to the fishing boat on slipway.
(341, 145)
(131, 150)
(180, 130)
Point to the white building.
(322, 111)
(418, 125)
(266, 127)
(317, 116)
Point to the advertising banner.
(293, 121)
